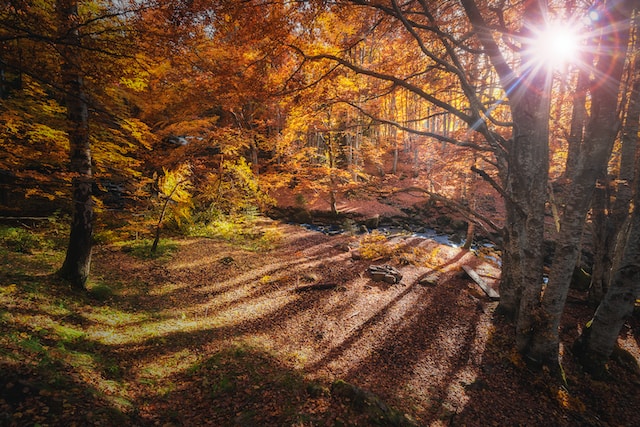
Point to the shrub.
(21, 240)
(375, 246)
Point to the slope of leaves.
(221, 335)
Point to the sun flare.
(557, 45)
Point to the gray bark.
(597, 341)
(607, 227)
(578, 120)
(524, 175)
(602, 128)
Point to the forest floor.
(292, 333)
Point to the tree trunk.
(596, 150)
(607, 226)
(156, 240)
(578, 120)
(77, 262)
(524, 175)
(597, 341)
(471, 228)
(604, 236)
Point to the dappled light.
(319, 213)
(423, 348)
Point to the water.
(452, 241)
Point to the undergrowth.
(247, 231)
(68, 358)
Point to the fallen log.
(491, 293)
(316, 287)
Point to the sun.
(556, 45)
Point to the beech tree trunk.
(528, 190)
(606, 227)
(578, 120)
(524, 175)
(603, 238)
(595, 345)
(602, 128)
(77, 263)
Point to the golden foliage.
(375, 246)
(568, 401)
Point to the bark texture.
(602, 129)
(524, 174)
(595, 345)
(77, 263)
(606, 227)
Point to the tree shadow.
(50, 394)
(247, 386)
(435, 352)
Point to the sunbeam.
(557, 44)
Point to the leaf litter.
(221, 335)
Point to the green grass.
(100, 291)
(245, 231)
(142, 248)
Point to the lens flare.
(556, 45)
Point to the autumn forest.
(345, 212)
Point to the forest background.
(136, 117)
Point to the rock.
(344, 247)
(227, 260)
(376, 411)
(373, 222)
(428, 279)
(459, 225)
(385, 273)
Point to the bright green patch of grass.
(245, 231)
(68, 334)
(142, 248)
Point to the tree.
(174, 187)
(512, 121)
(77, 262)
(615, 282)
(602, 128)
(72, 55)
(525, 178)
(598, 338)
(613, 195)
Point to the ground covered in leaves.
(293, 332)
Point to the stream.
(484, 247)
